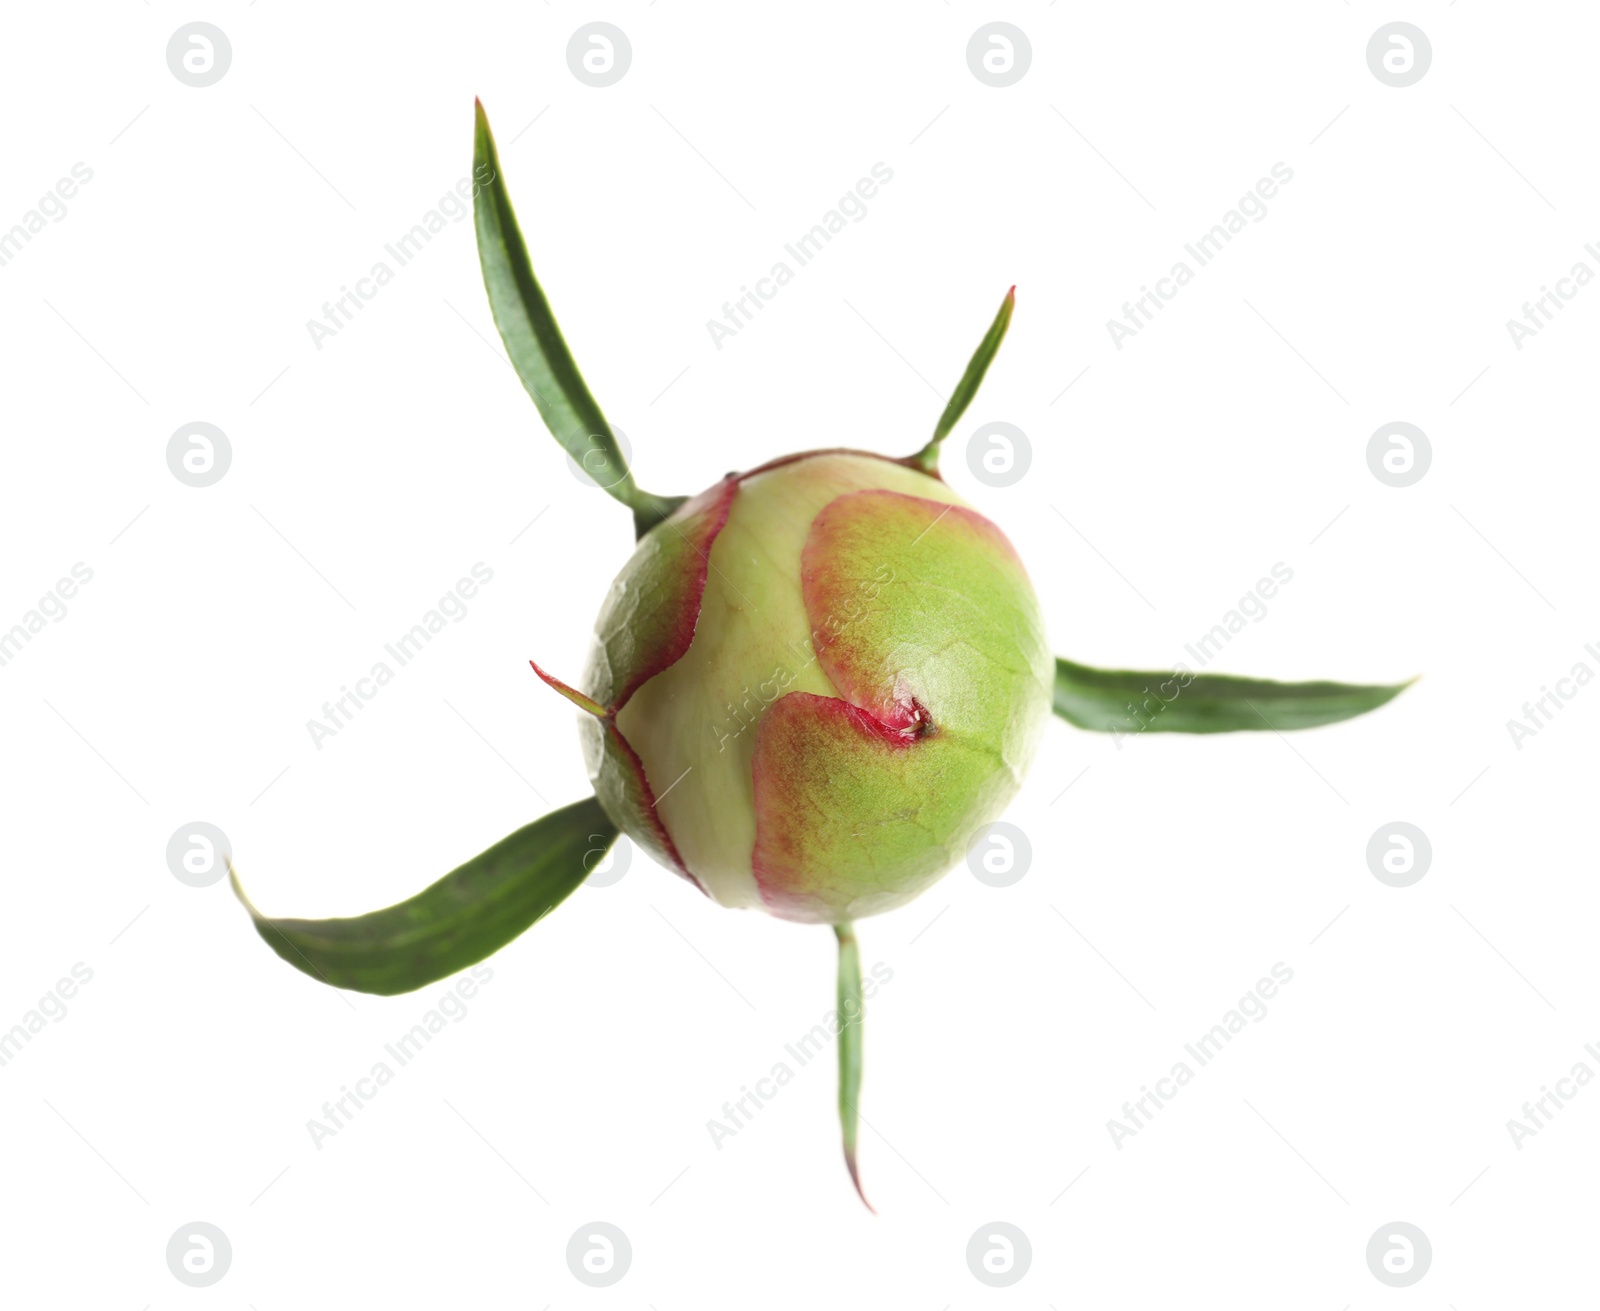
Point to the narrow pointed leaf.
(585, 703)
(536, 347)
(1125, 701)
(470, 913)
(927, 459)
(851, 1014)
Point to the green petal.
(468, 914)
(850, 1012)
(927, 459)
(1125, 701)
(538, 351)
(927, 628)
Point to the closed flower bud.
(813, 684)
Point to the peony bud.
(813, 684)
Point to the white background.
(1222, 439)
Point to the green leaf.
(468, 914)
(927, 459)
(537, 349)
(851, 1012)
(1124, 701)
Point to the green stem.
(851, 1016)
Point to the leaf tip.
(855, 1178)
(585, 703)
(482, 137)
(238, 890)
(1391, 690)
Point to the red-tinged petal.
(922, 610)
(853, 815)
(925, 623)
(624, 791)
(649, 618)
(619, 778)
